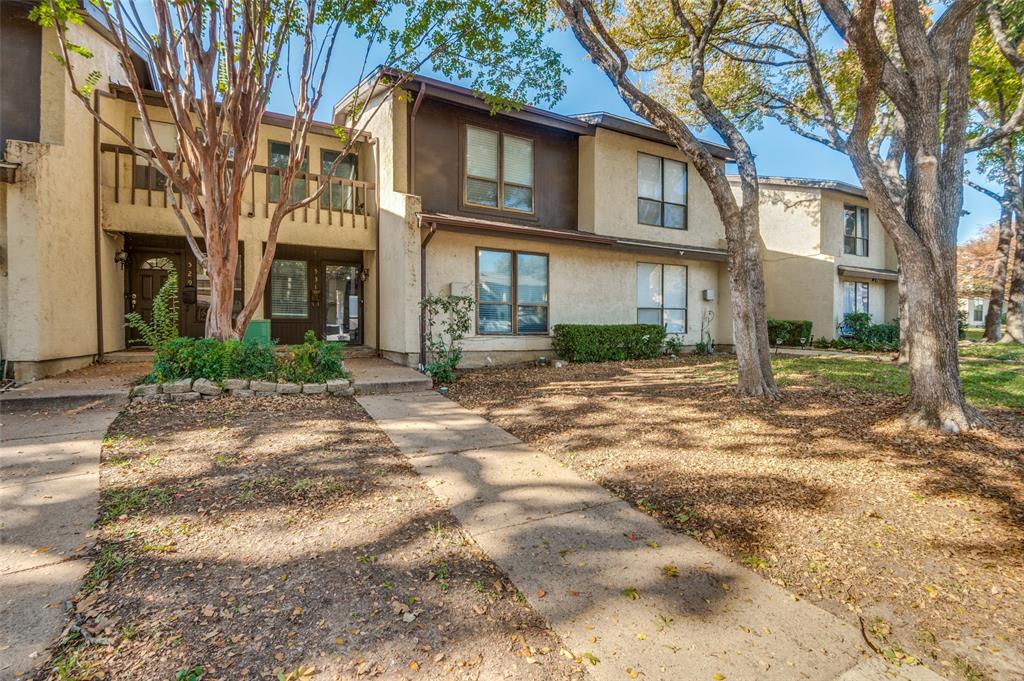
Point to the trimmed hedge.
(789, 331)
(608, 342)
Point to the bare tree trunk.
(749, 320)
(222, 257)
(994, 314)
(903, 357)
(936, 396)
(1015, 311)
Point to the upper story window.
(337, 196)
(855, 234)
(661, 192)
(144, 172)
(511, 292)
(661, 296)
(278, 158)
(499, 170)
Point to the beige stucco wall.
(49, 311)
(586, 286)
(608, 192)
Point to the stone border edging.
(189, 390)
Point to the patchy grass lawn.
(285, 539)
(1005, 352)
(986, 384)
(917, 535)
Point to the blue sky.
(779, 151)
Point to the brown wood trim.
(499, 209)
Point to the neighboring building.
(542, 218)
(976, 307)
(68, 232)
(825, 254)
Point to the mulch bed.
(285, 539)
(916, 536)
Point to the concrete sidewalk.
(595, 568)
(49, 475)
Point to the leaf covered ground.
(285, 539)
(915, 536)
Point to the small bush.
(790, 332)
(315, 361)
(608, 342)
(212, 359)
(673, 345)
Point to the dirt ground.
(285, 539)
(917, 537)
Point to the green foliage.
(961, 324)
(608, 342)
(673, 345)
(448, 320)
(788, 332)
(214, 360)
(163, 329)
(314, 361)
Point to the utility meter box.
(709, 294)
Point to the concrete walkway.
(51, 432)
(375, 376)
(596, 568)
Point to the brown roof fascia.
(456, 223)
(278, 120)
(868, 273)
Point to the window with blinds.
(144, 173)
(512, 292)
(337, 196)
(499, 170)
(661, 296)
(289, 290)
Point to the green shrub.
(164, 326)
(608, 342)
(314, 361)
(790, 332)
(212, 359)
(674, 345)
(448, 320)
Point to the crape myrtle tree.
(218, 61)
(893, 93)
(663, 57)
(997, 63)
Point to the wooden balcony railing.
(142, 184)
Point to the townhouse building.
(542, 218)
(825, 254)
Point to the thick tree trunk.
(993, 316)
(221, 261)
(749, 320)
(936, 396)
(1015, 311)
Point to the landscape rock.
(263, 386)
(207, 388)
(185, 397)
(182, 385)
(146, 390)
(288, 388)
(242, 392)
(337, 385)
(236, 384)
(560, 364)
(314, 388)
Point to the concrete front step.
(377, 376)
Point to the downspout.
(97, 237)
(423, 292)
(376, 253)
(411, 156)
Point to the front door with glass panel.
(343, 303)
(148, 273)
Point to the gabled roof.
(808, 183)
(644, 130)
(581, 124)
